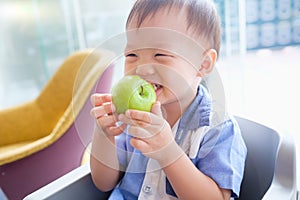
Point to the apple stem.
(142, 91)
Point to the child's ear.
(208, 62)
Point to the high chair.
(270, 172)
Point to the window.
(36, 36)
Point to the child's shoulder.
(226, 129)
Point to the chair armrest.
(76, 184)
(284, 184)
(2, 195)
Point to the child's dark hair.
(202, 17)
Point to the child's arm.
(105, 169)
(190, 183)
(153, 137)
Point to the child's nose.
(145, 69)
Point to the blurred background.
(258, 64)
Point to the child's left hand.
(152, 134)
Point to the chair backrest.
(262, 147)
(24, 159)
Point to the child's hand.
(152, 134)
(103, 111)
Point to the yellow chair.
(43, 139)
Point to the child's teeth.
(155, 86)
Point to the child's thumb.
(156, 109)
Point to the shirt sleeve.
(222, 156)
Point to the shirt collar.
(196, 115)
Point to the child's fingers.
(153, 123)
(143, 116)
(100, 111)
(116, 130)
(141, 129)
(139, 144)
(139, 132)
(132, 122)
(156, 109)
(98, 99)
(107, 121)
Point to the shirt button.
(147, 188)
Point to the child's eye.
(131, 55)
(160, 54)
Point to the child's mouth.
(157, 88)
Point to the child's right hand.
(103, 111)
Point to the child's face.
(162, 52)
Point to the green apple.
(133, 92)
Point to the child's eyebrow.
(154, 45)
